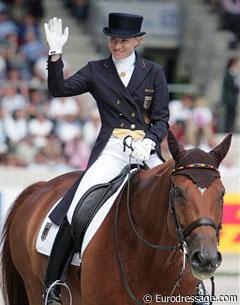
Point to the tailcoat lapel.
(111, 74)
(140, 71)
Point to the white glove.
(54, 35)
(143, 150)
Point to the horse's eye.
(221, 196)
(179, 194)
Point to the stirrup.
(57, 283)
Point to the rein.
(180, 233)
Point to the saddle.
(92, 201)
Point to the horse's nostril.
(197, 258)
(219, 259)
(200, 260)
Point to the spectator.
(178, 129)
(80, 9)
(11, 41)
(24, 92)
(26, 151)
(202, 125)
(231, 20)
(36, 8)
(180, 117)
(3, 138)
(16, 127)
(33, 48)
(67, 129)
(180, 110)
(40, 127)
(6, 26)
(91, 128)
(18, 11)
(39, 68)
(52, 152)
(77, 152)
(28, 25)
(37, 103)
(63, 106)
(230, 93)
(3, 68)
(12, 100)
(14, 77)
(18, 61)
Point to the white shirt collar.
(130, 60)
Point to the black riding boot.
(59, 261)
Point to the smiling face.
(121, 48)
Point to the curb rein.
(182, 235)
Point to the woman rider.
(132, 98)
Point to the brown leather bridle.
(182, 234)
(204, 221)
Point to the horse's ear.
(174, 147)
(220, 151)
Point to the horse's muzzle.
(204, 264)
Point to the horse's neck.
(149, 202)
(149, 209)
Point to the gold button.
(122, 124)
(133, 114)
(118, 102)
(132, 126)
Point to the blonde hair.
(139, 39)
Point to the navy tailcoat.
(143, 104)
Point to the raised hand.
(55, 36)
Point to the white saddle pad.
(48, 230)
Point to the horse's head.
(196, 203)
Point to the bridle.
(204, 221)
(182, 234)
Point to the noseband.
(204, 221)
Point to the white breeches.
(108, 165)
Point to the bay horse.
(170, 212)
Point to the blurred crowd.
(229, 18)
(36, 129)
(78, 8)
(193, 122)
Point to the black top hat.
(123, 25)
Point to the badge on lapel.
(147, 102)
(149, 90)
